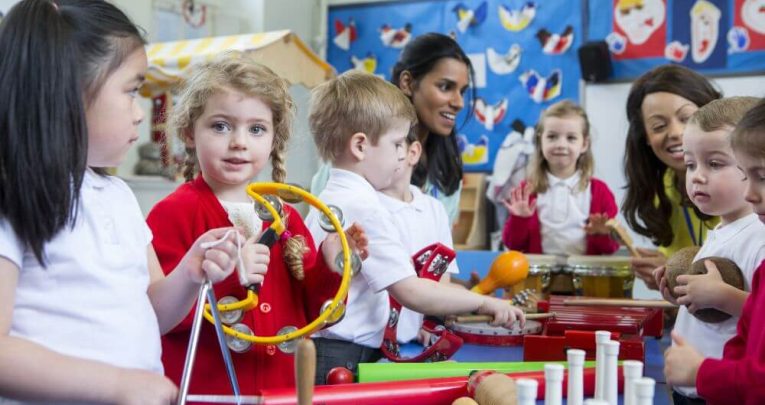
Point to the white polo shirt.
(367, 305)
(91, 301)
(743, 242)
(421, 222)
(563, 211)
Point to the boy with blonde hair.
(717, 186)
(360, 123)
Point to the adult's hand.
(645, 265)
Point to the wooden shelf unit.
(469, 233)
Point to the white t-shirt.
(743, 242)
(563, 211)
(367, 305)
(421, 222)
(91, 301)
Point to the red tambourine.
(431, 263)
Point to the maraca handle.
(268, 238)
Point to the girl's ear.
(586, 144)
(406, 83)
(358, 144)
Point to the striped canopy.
(282, 51)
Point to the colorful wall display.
(715, 37)
(523, 53)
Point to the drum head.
(485, 334)
(483, 328)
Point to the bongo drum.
(484, 334)
(540, 270)
(602, 276)
(561, 279)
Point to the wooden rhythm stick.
(619, 302)
(489, 318)
(305, 371)
(464, 401)
(621, 235)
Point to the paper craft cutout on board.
(676, 51)
(542, 88)
(366, 64)
(474, 153)
(345, 34)
(490, 115)
(395, 37)
(511, 160)
(753, 15)
(478, 60)
(749, 15)
(705, 28)
(738, 40)
(642, 22)
(467, 18)
(517, 20)
(502, 64)
(556, 44)
(617, 43)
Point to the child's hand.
(596, 225)
(357, 241)
(503, 312)
(644, 265)
(660, 277)
(138, 387)
(700, 291)
(423, 337)
(210, 257)
(256, 257)
(681, 362)
(519, 204)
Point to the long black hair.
(441, 163)
(645, 171)
(56, 55)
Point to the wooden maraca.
(492, 388)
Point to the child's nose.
(238, 140)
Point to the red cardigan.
(524, 234)
(177, 221)
(739, 377)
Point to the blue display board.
(523, 52)
(714, 37)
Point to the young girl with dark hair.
(83, 299)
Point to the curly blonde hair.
(237, 71)
(240, 72)
(538, 166)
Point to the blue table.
(653, 365)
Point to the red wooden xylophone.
(574, 326)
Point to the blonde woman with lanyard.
(656, 205)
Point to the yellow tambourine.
(330, 313)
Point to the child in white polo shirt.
(360, 123)
(717, 187)
(422, 221)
